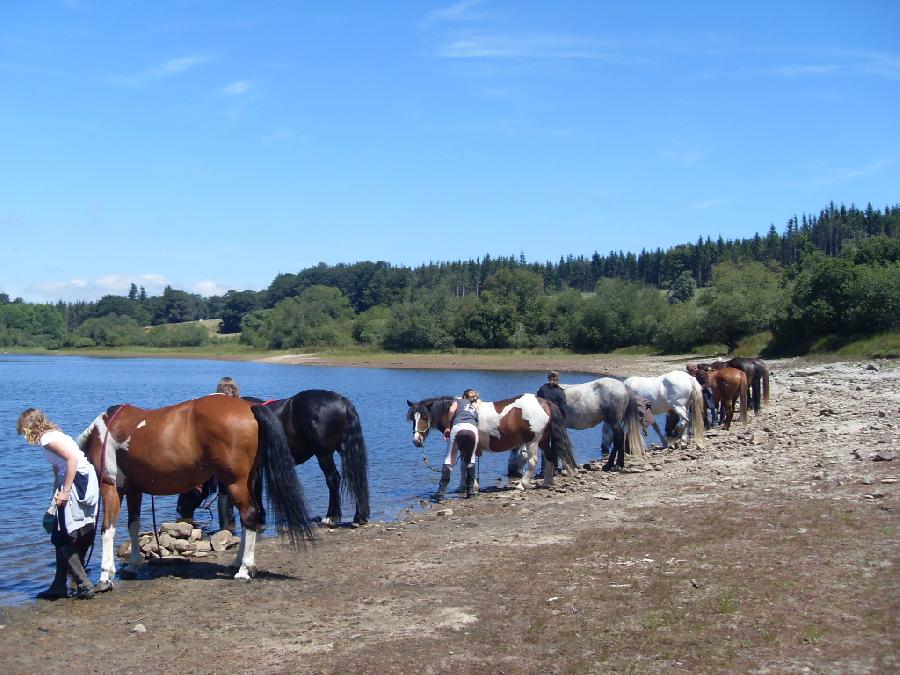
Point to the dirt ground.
(774, 549)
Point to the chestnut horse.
(757, 377)
(727, 384)
(504, 425)
(169, 450)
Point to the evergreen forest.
(824, 279)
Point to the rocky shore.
(774, 549)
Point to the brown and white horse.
(504, 425)
(169, 450)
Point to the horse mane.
(437, 403)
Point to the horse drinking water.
(169, 450)
(676, 391)
(503, 425)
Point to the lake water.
(74, 390)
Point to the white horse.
(676, 391)
(605, 400)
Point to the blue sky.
(211, 145)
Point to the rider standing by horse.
(189, 501)
(70, 520)
(551, 391)
(462, 437)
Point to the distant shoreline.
(501, 360)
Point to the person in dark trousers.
(462, 437)
(551, 391)
(73, 512)
(189, 501)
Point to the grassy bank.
(883, 345)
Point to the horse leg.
(250, 521)
(619, 442)
(530, 465)
(135, 560)
(729, 413)
(607, 439)
(112, 505)
(662, 436)
(333, 481)
(682, 412)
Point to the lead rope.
(155, 530)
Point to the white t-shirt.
(59, 463)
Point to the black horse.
(318, 422)
(757, 378)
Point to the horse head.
(426, 414)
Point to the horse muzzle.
(418, 439)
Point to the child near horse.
(462, 436)
(189, 501)
(75, 501)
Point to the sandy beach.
(773, 549)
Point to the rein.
(424, 434)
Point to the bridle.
(417, 417)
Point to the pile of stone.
(181, 540)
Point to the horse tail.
(634, 439)
(560, 444)
(355, 462)
(280, 479)
(743, 390)
(695, 411)
(765, 381)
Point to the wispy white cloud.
(530, 45)
(459, 11)
(237, 88)
(804, 70)
(80, 288)
(839, 175)
(209, 287)
(170, 68)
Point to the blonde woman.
(76, 498)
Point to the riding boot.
(445, 481)
(57, 588)
(470, 481)
(76, 569)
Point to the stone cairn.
(181, 540)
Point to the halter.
(427, 428)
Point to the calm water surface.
(73, 390)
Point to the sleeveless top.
(466, 413)
(59, 463)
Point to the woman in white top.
(76, 497)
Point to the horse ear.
(409, 403)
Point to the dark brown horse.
(169, 450)
(727, 385)
(504, 425)
(757, 377)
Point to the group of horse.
(252, 446)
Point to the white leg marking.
(240, 553)
(107, 561)
(248, 564)
(530, 466)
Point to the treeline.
(834, 273)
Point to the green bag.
(49, 520)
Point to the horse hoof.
(245, 573)
(103, 587)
